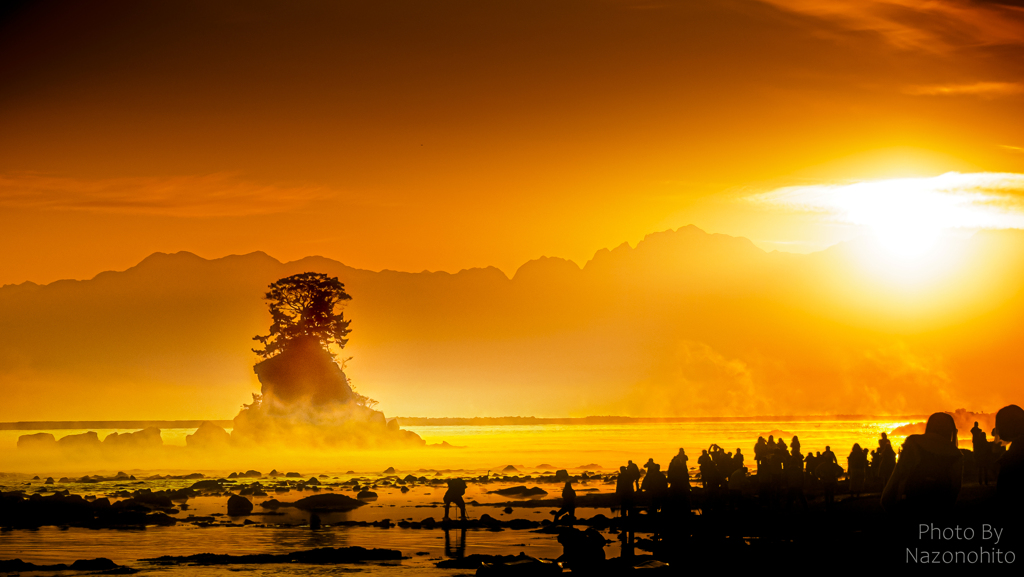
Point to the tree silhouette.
(305, 305)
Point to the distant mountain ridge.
(685, 323)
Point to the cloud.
(212, 195)
(951, 200)
(938, 26)
(986, 89)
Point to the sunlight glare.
(908, 216)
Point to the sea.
(499, 451)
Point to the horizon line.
(423, 421)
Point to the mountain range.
(686, 323)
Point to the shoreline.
(462, 421)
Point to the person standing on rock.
(634, 474)
(456, 489)
(624, 491)
(568, 503)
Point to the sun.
(905, 216)
(907, 243)
(908, 217)
(910, 221)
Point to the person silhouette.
(1010, 483)
(737, 459)
(929, 473)
(759, 451)
(624, 491)
(678, 472)
(794, 472)
(828, 471)
(740, 486)
(656, 486)
(568, 503)
(886, 458)
(982, 452)
(794, 444)
(634, 473)
(679, 481)
(810, 463)
(828, 455)
(706, 467)
(456, 489)
(857, 466)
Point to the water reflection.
(455, 548)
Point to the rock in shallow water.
(239, 506)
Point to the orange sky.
(450, 134)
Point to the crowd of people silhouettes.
(920, 482)
(926, 476)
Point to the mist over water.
(477, 448)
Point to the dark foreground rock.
(520, 564)
(326, 503)
(526, 566)
(520, 491)
(102, 566)
(239, 506)
(63, 509)
(322, 556)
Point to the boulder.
(148, 438)
(326, 503)
(208, 436)
(520, 491)
(207, 485)
(239, 506)
(37, 441)
(89, 441)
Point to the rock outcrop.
(208, 436)
(239, 506)
(37, 441)
(148, 438)
(89, 441)
(307, 401)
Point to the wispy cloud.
(937, 26)
(951, 200)
(212, 195)
(1017, 149)
(985, 89)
